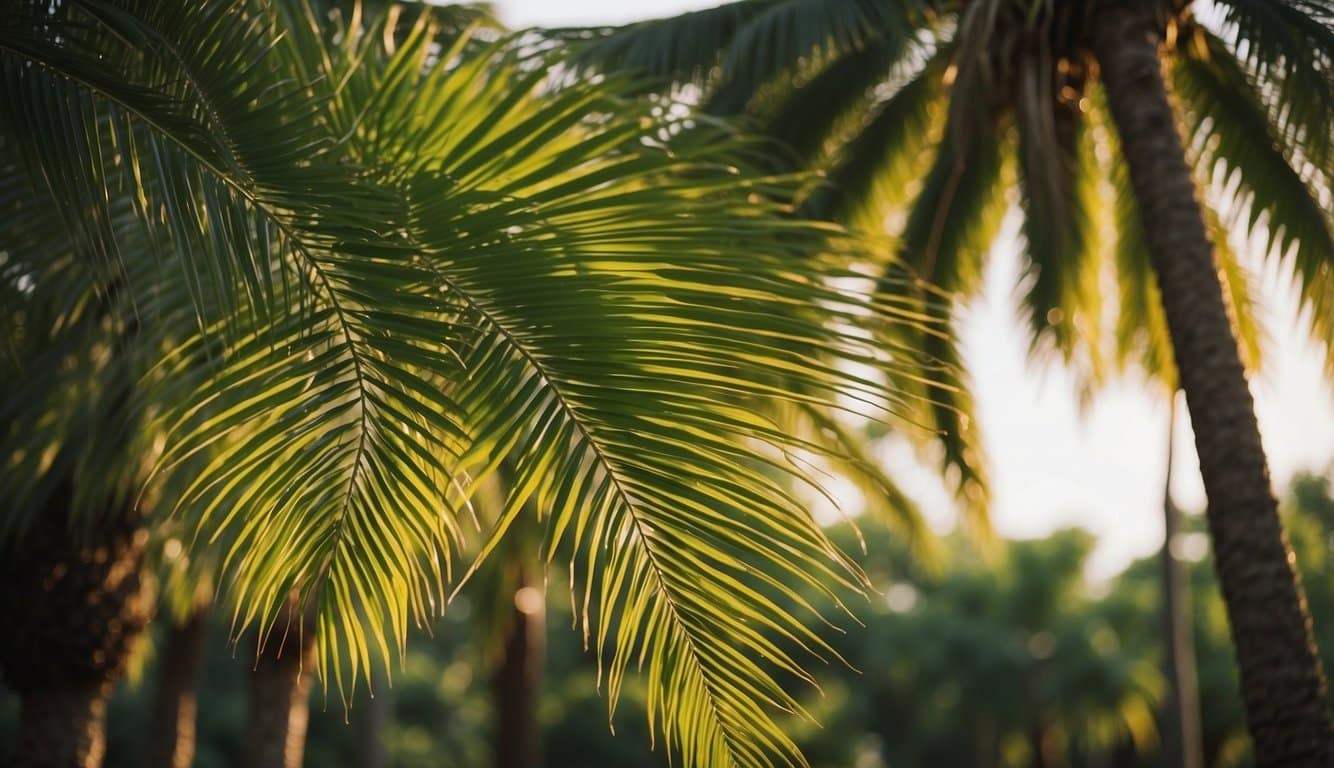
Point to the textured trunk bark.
(172, 737)
(73, 606)
(1282, 684)
(518, 680)
(1182, 740)
(62, 728)
(275, 734)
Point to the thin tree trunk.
(1282, 684)
(1182, 738)
(73, 606)
(172, 735)
(369, 721)
(275, 735)
(518, 680)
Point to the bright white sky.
(1052, 465)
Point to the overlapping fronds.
(387, 269)
(871, 175)
(949, 231)
(797, 33)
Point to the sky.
(1054, 463)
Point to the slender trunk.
(1181, 735)
(172, 736)
(73, 606)
(1282, 684)
(518, 680)
(275, 735)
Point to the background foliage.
(958, 665)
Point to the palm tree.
(367, 269)
(863, 91)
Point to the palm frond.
(796, 34)
(629, 431)
(684, 48)
(854, 460)
(810, 113)
(1289, 45)
(446, 268)
(1241, 146)
(1058, 177)
(950, 228)
(872, 175)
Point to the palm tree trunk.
(172, 737)
(518, 680)
(1182, 737)
(62, 728)
(1282, 684)
(275, 734)
(73, 606)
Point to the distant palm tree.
(1073, 95)
(365, 269)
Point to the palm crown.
(365, 265)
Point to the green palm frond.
(399, 285)
(1058, 186)
(1289, 45)
(949, 231)
(684, 48)
(812, 111)
(871, 176)
(797, 33)
(1242, 147)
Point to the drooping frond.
(684, 48)
(950, 228)
(1244, 152)
(1289, 45)
(1058, 178)
(628, 429)
(795, 34)
(871, 176)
